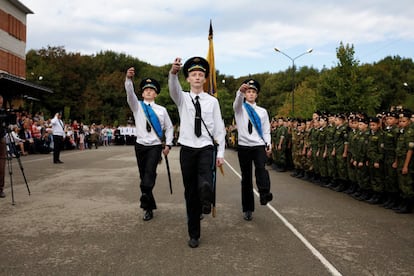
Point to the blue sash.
(254, 118)
(152, 119)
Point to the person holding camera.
(58, 130)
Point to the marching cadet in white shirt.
(196, 138)
(58, 131)
(151, 120)
(254, 142)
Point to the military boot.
(406, 207)
(387, 199)
(375, 199)
(394, 202)
(301, 174)
(295, 173)
(341, 187)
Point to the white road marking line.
(312, 249)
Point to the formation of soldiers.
(369, 158)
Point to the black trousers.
(148, 158)
(57, 147)
(248, 156)
(197, 171)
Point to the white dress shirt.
(58, 128)
(242, 121)
(210, 113)
(143, 136)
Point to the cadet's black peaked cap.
(392, 114)
(406, 113)
(253, 84)
(374, 120)
(150, 83)
(363, 120)
(196, 64)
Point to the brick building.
(13, 84)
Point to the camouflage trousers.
(362, 177)
(405, 181)
(376, 176)
(390, 175)
(341, 168)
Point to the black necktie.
(197, 122)
(250, 127)
(148, 125)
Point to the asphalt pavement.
(83, 218)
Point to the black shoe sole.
(247, 216)
(148, 216)
(264, 199)
(193, 243)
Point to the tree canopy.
(90, 88)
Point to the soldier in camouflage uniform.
(313, 149)
(273, 128)
(391, 133)
(360, 161)
(321, 154)
(279, 146)
(298, 156)
(274, 125)
(340, 152)
(289, 143)
(301, 148)
(352, 152)
(331, 164)
(375, 159)
(307, 165)
(295, 145)
(404, 163)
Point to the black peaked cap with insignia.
(392, 114)
(253, 84)
(405, 113)
(150, 83)
(374, 120)
(196, 64)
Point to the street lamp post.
(293, 72)
(408, 87)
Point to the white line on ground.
(312, 249)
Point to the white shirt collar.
(145, 102)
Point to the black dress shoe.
(193, 243)
(148, 215)
(58, 162)
(2, 194)
(248, 215)
(265, 198)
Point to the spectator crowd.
(32, 134)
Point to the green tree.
(345, 88)
(91, 87)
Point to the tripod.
(12, 151)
